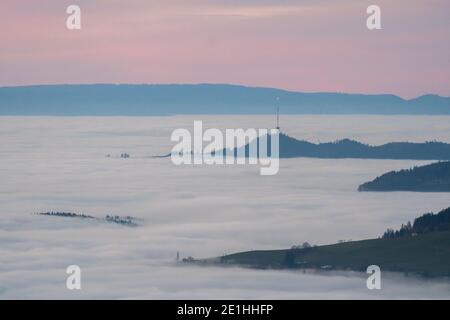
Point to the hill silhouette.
(346, 148)
(429, 222)
(171, 99)
(430, 178)
(425, 252)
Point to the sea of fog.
(60, 164)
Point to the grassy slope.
(426, 254)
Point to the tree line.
(429, 222)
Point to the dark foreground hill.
(292, 148)
(430, 178)
(170, 99)
(426, 253)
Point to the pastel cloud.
(298, 45)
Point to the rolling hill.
(293, 148)
(425, 254)
(422, 249)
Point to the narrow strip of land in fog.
(290, 147)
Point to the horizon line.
(219, 84)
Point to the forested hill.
(430, 178)
(170, 99)
(422, 248)
(429, 222)
(292, 148)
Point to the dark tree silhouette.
(428, 222)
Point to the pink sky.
(302, 45)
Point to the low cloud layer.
(59, 164)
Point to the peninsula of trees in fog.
(430, 178)
(126, 220)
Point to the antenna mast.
(278, 114)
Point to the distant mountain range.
(430, 178)
(162, 99)
(292, 148)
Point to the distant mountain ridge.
(171, 99)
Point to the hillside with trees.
(421, 248)
(430, 178)
(290, 147)
(429, 222)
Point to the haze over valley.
(60, 164)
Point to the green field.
(426, 255)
